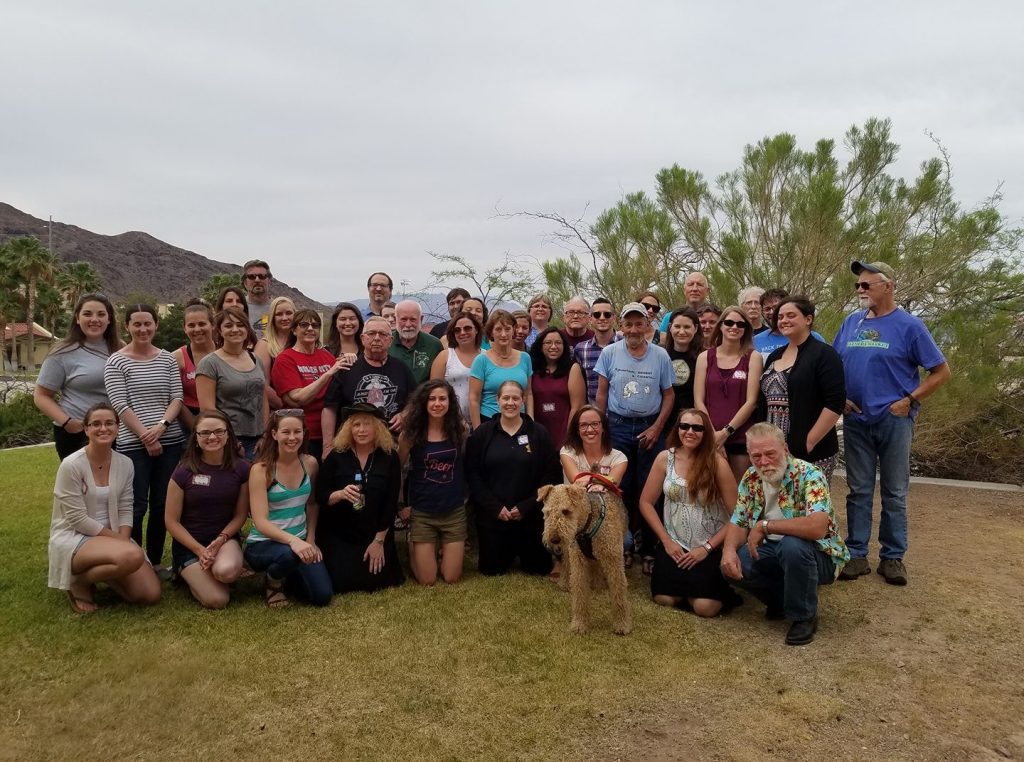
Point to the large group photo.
(707, 473)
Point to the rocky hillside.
(132, 262)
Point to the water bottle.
(361, 500)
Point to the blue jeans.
(152, 474)
(786, 575)
(281, 563)
(624, 432)
(249, 447)
(887, 444)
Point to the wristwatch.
(165, 423)
(730, 428)
(764, 525)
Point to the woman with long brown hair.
(699, 489)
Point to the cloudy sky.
(335, 138)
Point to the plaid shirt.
(586, 354)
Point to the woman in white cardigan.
(90, 532)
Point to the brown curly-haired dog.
(570, 511)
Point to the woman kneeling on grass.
(432, 443)
(284, 514)
(90, 532)
(358, 489)
(207, 504)
(698, 485)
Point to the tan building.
(16, 344)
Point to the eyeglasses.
(380, 334)
(734, 323)
(593, 425)
(102, 424)
(376, 286)
(257, 276)
(863, 285)
(211, 433)
(655, 308)
(289, 412)
(575, 313)
(600, 315)
(697, 428)
(305, 325)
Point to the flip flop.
(81, 605)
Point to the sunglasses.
(605, 315)
(305, 325)
(734, 323)
(289, 412)
(655, 308)
(697, 428)
(863, 285)
(257, 276)
(464, 329)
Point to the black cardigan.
(380, 489)
(546, 469)
(816, 382)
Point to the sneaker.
(856, 567)
(893, 570)
(802, 633)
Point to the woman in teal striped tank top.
(282, 542)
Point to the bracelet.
(708, 547)
(224, 535)
(65, 424)
(913, 400)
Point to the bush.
(21, 423)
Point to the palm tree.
(10, 304)
(77, 278)
(33, 263)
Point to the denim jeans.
(786, 575)
(887, 444)
(152, 474)
(624, 432)
(280, 563)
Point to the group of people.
(720, 433)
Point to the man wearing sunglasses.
(602, 320)
(883, 349)
(256, 279)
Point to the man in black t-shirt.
(375, 378)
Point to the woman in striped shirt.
(284, 514)
(144, 387)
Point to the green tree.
(509, 281)
(170, 333)
(11, 303)
(217, 283)
(34, 264)
(77, 278)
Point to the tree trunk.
(30, 360)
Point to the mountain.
(132, 262)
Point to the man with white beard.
(411, 345)
(783, 541)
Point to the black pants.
(68, 443)
(501, 542)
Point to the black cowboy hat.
(360, 407)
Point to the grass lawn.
(488, 670)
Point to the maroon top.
(725, 392)
(551, 405)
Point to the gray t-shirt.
(239, 395)
(258, 318)
(77, 376)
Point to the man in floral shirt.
(782, 541)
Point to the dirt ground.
(929, 671)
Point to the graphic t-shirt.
(297, 370)
(386, 387)
(437, 482)
(420, 357)
(259, 317)
(635, 384)
(882, 358)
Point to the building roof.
(19, 330)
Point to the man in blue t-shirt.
(634, 388)
(767, 341)
(882, 347)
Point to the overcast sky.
(333, 139)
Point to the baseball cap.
(873, 267)
(633, 307)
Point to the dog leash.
(602, 479)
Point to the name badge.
(740, 374)
(523, 439)
(200, 480)
(548, 407)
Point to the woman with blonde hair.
(358, 494)
(274, 341)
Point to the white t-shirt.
(603, 466)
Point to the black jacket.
(816, 382)
(484, 487)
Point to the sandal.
(81, 605)
(274, 597)
(648, 566)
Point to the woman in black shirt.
(358, 495)
(507, 459)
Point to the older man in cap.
(883, 348)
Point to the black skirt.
(349, 572)
(704, 580)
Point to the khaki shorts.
(438, 528)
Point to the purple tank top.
(725, 391)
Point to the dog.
(591, 548)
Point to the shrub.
(21, 423)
